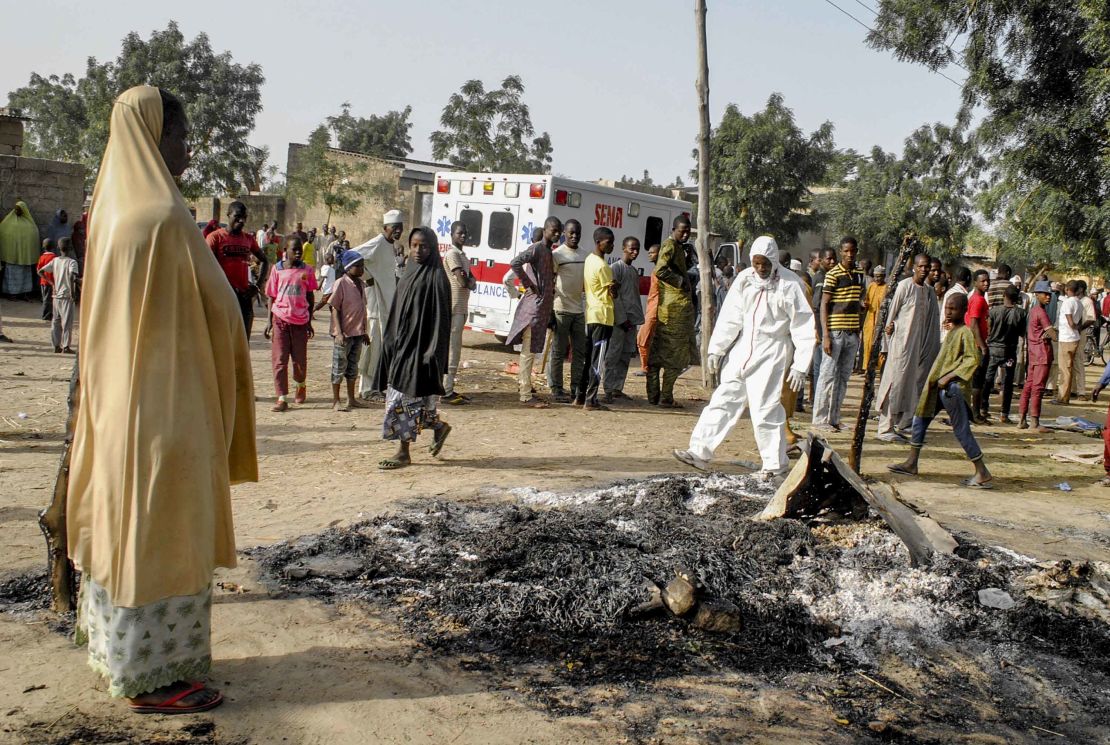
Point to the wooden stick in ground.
(705, 259)
(549, 338)
(910, 246)
(52, 520)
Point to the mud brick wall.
(45, 185)
(386, 190)
(11, 136)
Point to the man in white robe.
(913, 341)
(379, 255)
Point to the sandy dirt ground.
(298, 671)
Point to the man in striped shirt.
(842, 303)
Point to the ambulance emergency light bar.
(563, 198)
(512, 190)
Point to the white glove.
(796, 380)
(714, 363)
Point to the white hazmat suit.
(763, 326)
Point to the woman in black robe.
(414, 350)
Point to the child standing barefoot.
(348, 329)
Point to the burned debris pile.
(672, 575)
(596, 584)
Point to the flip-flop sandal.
(685, 456)
(971, 483)
(899, 469)
(170, 705)
(441, 437)
(536, 403)
(391, 464)
(1104, 481)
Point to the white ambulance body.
(502, 210)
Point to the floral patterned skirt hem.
(139, 650)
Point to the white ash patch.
(895, 608)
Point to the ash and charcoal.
(28, 595)
(577, 580)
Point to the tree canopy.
(761, 169)
(1039, 71)
(385, 136)
(222, 98)
(491, 131)
(317, 177)
(929, 190)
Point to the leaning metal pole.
(910, 246)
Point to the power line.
(938, 72)
(947, 44)
(868, 7)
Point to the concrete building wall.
(11, 135)
(385, 189)
(45, 185)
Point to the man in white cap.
(765, 324)
(382, 268)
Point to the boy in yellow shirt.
(600, 291)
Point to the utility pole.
(705, 260)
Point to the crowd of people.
(147, 539)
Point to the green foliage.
(385, 136)
(1039, 71)
(319, 177)
(928, 191)
(221, 99)
(761, 168)
(489, 131)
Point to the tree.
(318, 177)
(1037, 72)
(385, 136)
(222, 98)
(490, 131)
(930, 191)
(761, 169)
(645, 181)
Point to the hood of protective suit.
(765, 245)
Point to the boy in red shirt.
(233, 248)
(976, 319)
(46, 279)
(290, 289)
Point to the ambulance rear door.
(653, 230)
(492, 241)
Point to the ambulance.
(501, 211)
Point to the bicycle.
(1093, 346)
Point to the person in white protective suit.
(764, 325)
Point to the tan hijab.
(166, 418)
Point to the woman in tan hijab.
(165, 423)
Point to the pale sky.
(612, 81)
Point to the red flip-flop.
(169, 706)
